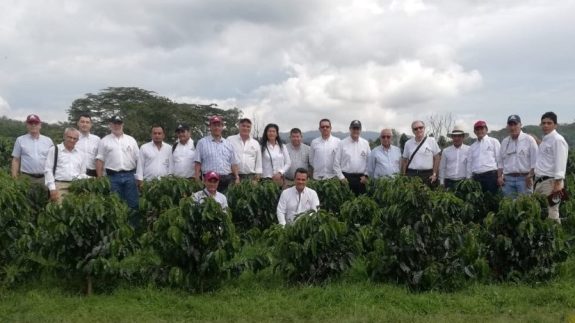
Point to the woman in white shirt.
(275, 156)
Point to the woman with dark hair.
(275, 156)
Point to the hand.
(529, 181)
(500, 181)
(343, 180)
(363, 179)
(557, 186)
(433, 178)
(54, 196)
(237, 180)
(139, 183)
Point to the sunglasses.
(385, 137)
(478, 128)
(418, 128)
(325, 127)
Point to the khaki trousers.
(546, 188)
(62, 188)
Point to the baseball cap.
(480, 123)
(514, 118)
(33, 119)
(215, 119)
(211, 175)
(355, 124)
(182, 127)
(116, 119)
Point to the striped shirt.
(216, 155)
(299, 159)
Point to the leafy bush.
(195, 242)
(315, 247)
(332, 193)
(360, 211)
(478, 205)
(99, 185)
(253, 205)
(523, 244)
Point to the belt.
(34, 175)
(485, 173)
(91, 172)
(419, 171)
(541, 179)
(353, 174)
(516, 174)
(58, 181)
(114, 172)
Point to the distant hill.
(308, 136)
(566, 130)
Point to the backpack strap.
(55, 160)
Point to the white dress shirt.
(552, 156)
(322, 156)
(519, 155)
(200, 197)
(423, 159)
(275, 160)
(383, 162)
(293, 202)
(183, 159)
(483, 156)
(453, 164)
(32, 153)
(118, 153)
(88, 144)
(249, 153)
(70, 165)
(153, 162)
(351, 157)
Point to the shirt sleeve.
(469, 161)
(17, 151)
(435, 148)
(48, 170)
(497, 150)
(371, 164)
(140, 166)
(442, 168)
(282, 208)
(259, 160)
(532, 152)
(311, 154)
(561, 152)
(287, 160)
(501, 153)
(198, 154)
(101, 150)
(337, 161)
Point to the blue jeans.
(514, 186)
(125, 185)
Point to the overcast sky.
(294, 62)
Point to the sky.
(384, 62)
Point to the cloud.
(4, 107)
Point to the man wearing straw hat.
(453, 164)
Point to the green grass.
(264, 297)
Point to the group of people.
(517, 165)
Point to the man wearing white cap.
(517, 160)
(211, 181)
(453, 164)
(483, 157)
(216, 154)
(30, 152)
(351, 159)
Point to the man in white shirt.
(385, 159)
(88, 143)
(482, 161)
(516, 160)
(551, 164)
(64, 164)
(422, 162)
(322, 152)
(298, 154)
(211, 181)
(30, 151)
(155, 159)
(351, 159)
(248, 150)
(453, 164)
(296, 199)
(183, 153)
(118, 156)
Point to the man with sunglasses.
(421, 155)
(351, 159)
(385, 159)
(517, 160)
(322, 152)
(483, 157)
(453, 164)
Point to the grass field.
(264, 297)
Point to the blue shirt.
(383, 162)
(216, 155)
(32, 153)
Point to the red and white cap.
(480, 123)
(33, 119)
(215, 119)
(211, 175)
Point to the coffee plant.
(332, 193)
(100, 185)
(253, 205)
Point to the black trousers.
(225, 181)
(451, 183)
(424, 174)
(488, 181)
(355, 184)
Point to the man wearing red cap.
(211, 181)
(214, 153)
(30, 152)
(482, 160)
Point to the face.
(245, 129)
(457, 140)
(211, 185)
(480, 132)
(354, 133)
(514, 129)
(272, 133)
(216, 129)
(34, 128)
(325, 128)
(418, 129)
(157, 135)
(70, 139)
(547, 125)
(295, 139)
(117, 128)
(84, 124)
(183, 135)
(385, 136)
(300, 181)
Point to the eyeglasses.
(325, 127)
(478, 128)
(385, 137)
(418, 128)
(72, 138)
